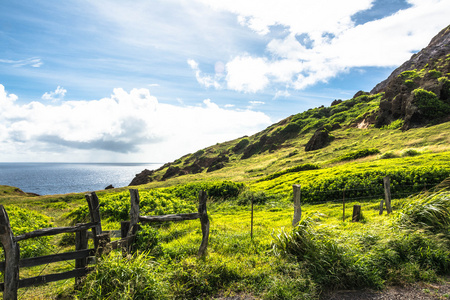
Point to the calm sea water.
(63, 178)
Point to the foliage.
(218, 190)
(116, 207)
(196, 279)
(362, 179)
(115, 277)
(368, 260)
(430, 211)
(394, 124)
(331, 265)
(241, 145)
(357, 154)
(147, 239)
(258, 197)
(410, 152)
(429, 104)
(388, 154)
(24, 220)
(299, 168)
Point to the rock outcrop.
(419, 90)
(142, 178)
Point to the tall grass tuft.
(329, 264)
(428, 211)
(116, 277)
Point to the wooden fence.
(102, 242)
(102, 239)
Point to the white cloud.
(127, 126)
(206, 81)
(58, 94)
(248, 74)
(335, 43)
(33, 62)
(279, 94)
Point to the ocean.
(63, 178)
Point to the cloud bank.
(320, 39)
(127, 126)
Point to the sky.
(150, 81)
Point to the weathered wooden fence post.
(81, 243)
(94, 212)
(12, 255)
(134, 211)
(204, 222)
(356, 213)
(387, 193)
(297, 205)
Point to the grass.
(280, 262)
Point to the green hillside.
(338, 154)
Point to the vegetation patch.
(357, 154)
(299, 168)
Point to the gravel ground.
(418, 291)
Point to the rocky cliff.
(418, 92)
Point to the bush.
(389, 154)
(394, 124)
(410, 152)
(22, 221)
(299, 168)
(241, 145)
(429, 104)
(357, 154)
(218, 190)
(116, 207)
(259, 197)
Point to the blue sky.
(149, 81)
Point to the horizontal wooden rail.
(50, 278)
(41, 260)
(166, 218)
(54, 231)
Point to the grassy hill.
(353, 150)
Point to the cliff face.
(419, 90)
(438, 47)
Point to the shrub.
(241, 145)
(410, 152)
(259, 197)
(394, 124)
(299, 168)
(389, 154)
(357, 154)
(434, 73)
(429, 104)
(116, 207)
(22, 221)
(218, 190)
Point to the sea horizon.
(53, 178)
